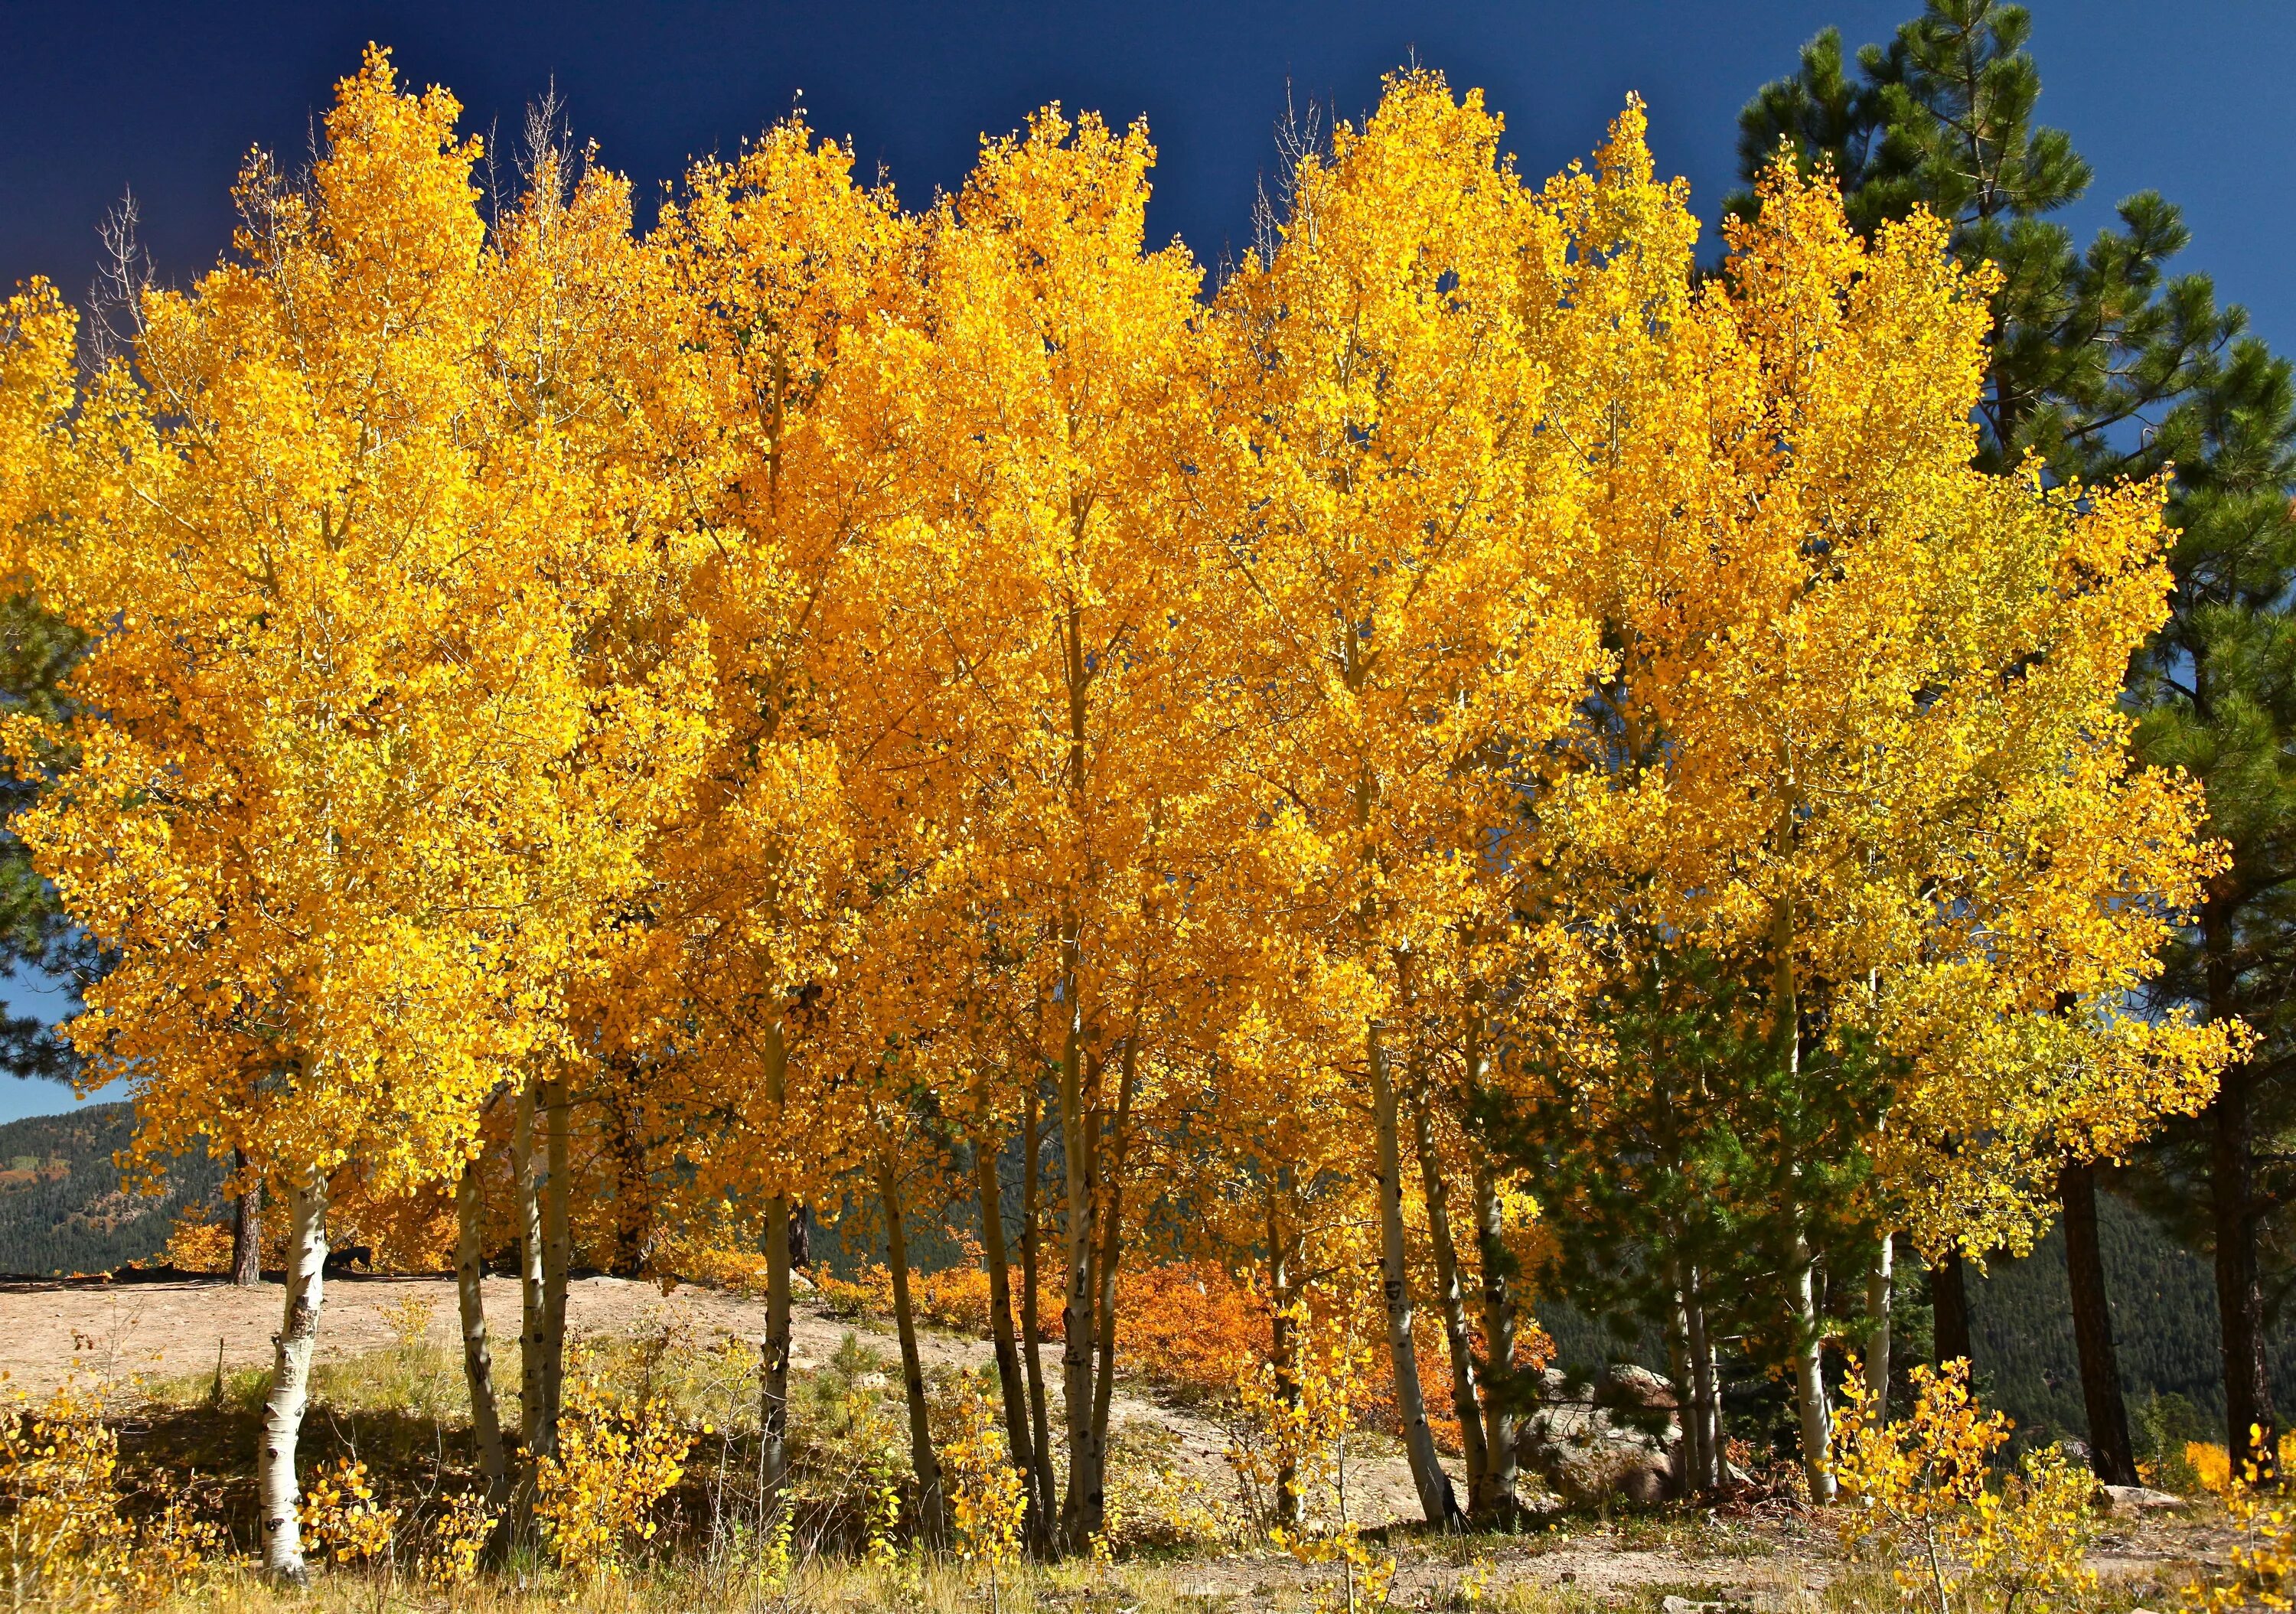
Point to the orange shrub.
(1188, 1326)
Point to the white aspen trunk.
(532, 1335)
(774, 1349)
(1427, 1475)
(1809, 1341)
(1706, 1405)
(1032, 1332)
(1284, 1350)
(557, 1255)
(276, 1491)
(1687, 1456)
(1111, 1251)
(478, 1354)
(1076, 1311)
(1809, 1376)
(1879, 1286)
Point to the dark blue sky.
(2191, 99)
(95, 98)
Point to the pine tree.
(2218, 689)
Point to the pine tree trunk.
(1427, 1475)
(1809, 1376)
(246, 1229)
(557, 1253)
(1032, 1327)
(277, 1490)
(1706, 1401)
(774, 1349)
(2110, 1450)
(1456, 1334)
(1950, 1301)
(1011, 1390)
(932, 1505)
(1879, 1295)
(478, 1355)
(1499, 1502)
(2251, 1430)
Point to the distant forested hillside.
(2164, 1323)
(62, 1208)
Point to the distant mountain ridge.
(62, 1206)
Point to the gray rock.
(2130, 1500)
(1587, 1453)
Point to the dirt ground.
(122, 1332)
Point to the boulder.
(1610, 1444)
(2132, 1500)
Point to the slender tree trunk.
(1809, 1376)
(1456, 1334)
(1427, 1475)
(478, 1355)
(2111, 1454)
(1706, 1402)
(1032, 1329)
(246, 1229)
(932, 1505)
(774, 1349)
(634, 1229)
(1111, 1252)
(1013, 1392)
(557, 1253)
(1679, 1375)
(2252, 1431)
(275, 1487)
(1284, 1350)
(1880, 1294)
(1809, 1341)
(1499, 1502)
(1081, 1190)
(1950, 1301)
(533, 1289)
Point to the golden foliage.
(1920, 1497)
(617, 1456)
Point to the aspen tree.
(1051, 385)
(774, 442)
(271, 776)
(1384, 384)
